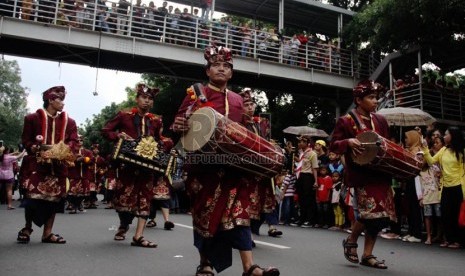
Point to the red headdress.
(142, 89)
(54, 92)
(246, 94)
(214, 54)
(367, 87)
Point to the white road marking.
(257, 242)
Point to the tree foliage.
(390, 25)
(13, 103)
(354, 5)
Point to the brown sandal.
(121, 233)
(372, 261)
(201, 269)
(58, 239)
(272, 271)
(141, 242)
(348, 254)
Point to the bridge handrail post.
(163, 33)
(95, 15)
(131, 12)
(351, 63)
(306, 55)
(226, 38)
(55, 17)
(255, 43)
(196, 39)
(14, 9)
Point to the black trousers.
(307, 198)
(450, 207)
(414, 210)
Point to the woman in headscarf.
(412, 194)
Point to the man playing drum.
(135, 185)
(220, 195)
(373, 197)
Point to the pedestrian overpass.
(158, 47)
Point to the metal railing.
(181, 29)
(442, 104)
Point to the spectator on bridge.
(173, 30)
(27, 8)
(122, 19)
(46, 170)
(138, 11)
(79, 10)
(206, 6)
(46, 10)
(163, 9)
(152, 20)
(112, 17)
(185, 27)
(295, 46)
(246, 34)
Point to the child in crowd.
(335, 201)
(430, 194)
(287, 205)
(323, 197)
(335, 164)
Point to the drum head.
(202, 124)
(371, 148)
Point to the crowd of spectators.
(189, 27)
(419, 211)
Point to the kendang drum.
(383, 155)
(219, 140)
(144, 152)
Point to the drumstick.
(377, 143)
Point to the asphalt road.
(91, 250)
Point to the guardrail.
(442, 104)
(182, 29)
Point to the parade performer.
(220, 195)
(98, 171)
(79, 176)
(265, 207)
(135, 185)
(373, 198)
(49, 136)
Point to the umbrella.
(406, 116)
(305, 130)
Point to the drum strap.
(358, 121)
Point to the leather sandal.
(58, 239)
(142, 242)
(24, 235)
(348, 254)
(201, 270)
(272, 271)
(121, 234)
(151, 223)
(372, 261)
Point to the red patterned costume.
(44, 179)
(79, 176)
(135, 186)
(373, 189)
(47, 181)
(220, 194)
